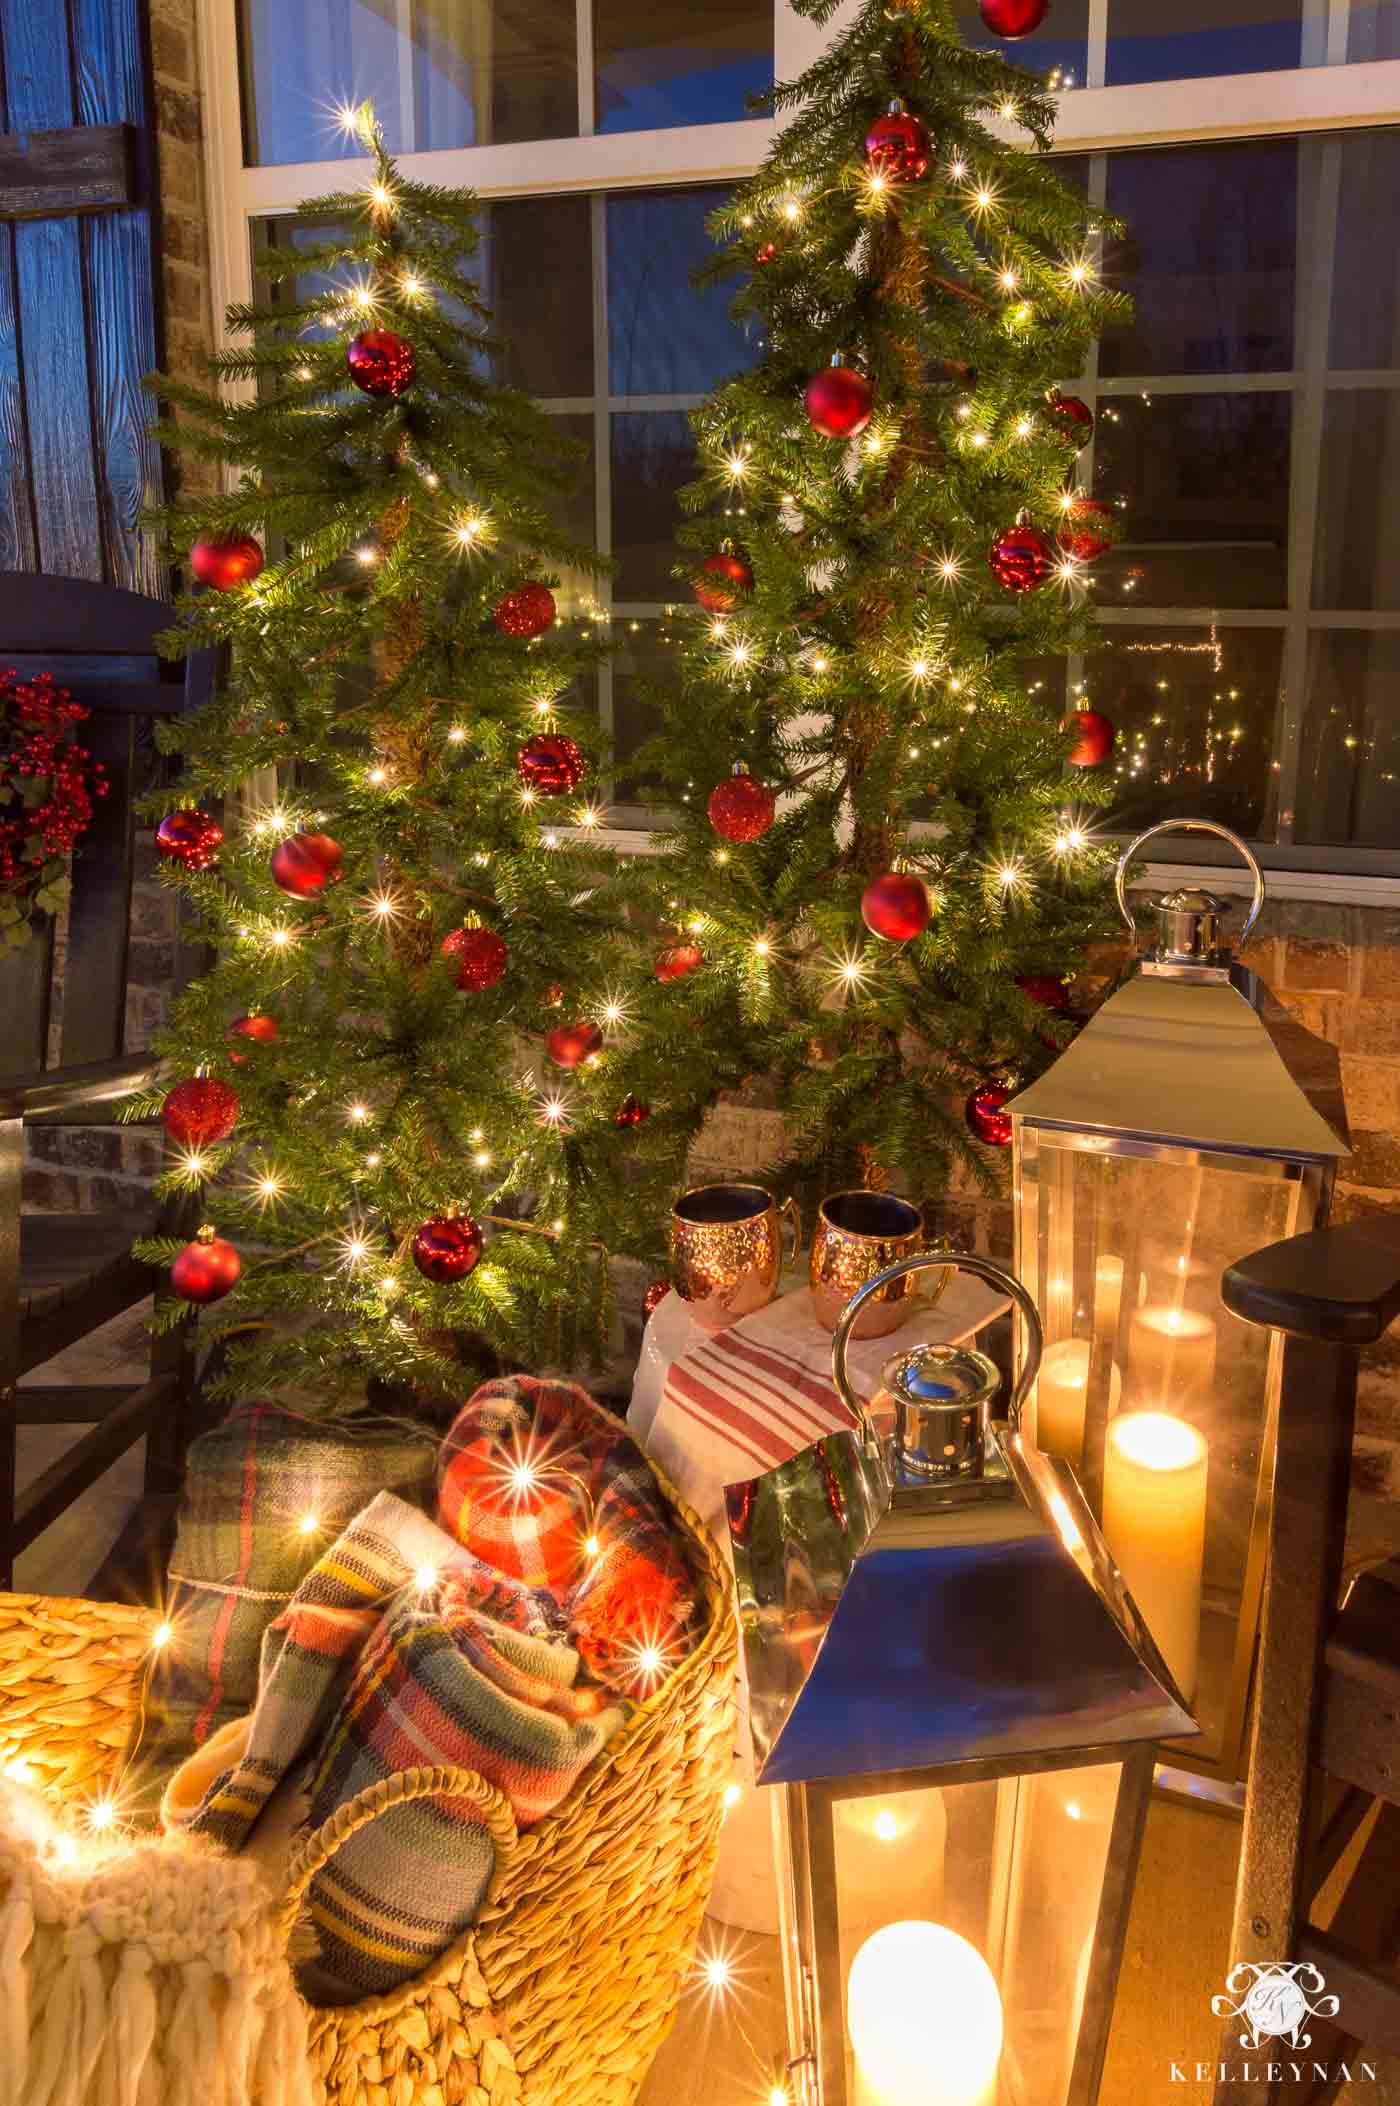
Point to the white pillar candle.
(890, 1849)
(1108, 1295)
(925, 2020)
(1154, 1521)
(1061, 1397)
(1171, 1353)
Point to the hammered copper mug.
(727, 1250)
(860, 1234)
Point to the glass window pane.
(1201, 485)
(1203, 37)
(691, 62)
(665, 335)
(1194, 711)
(1356, 561)
(653, 454)
(538, 276)
(1349, 781)
(1060, 45)
(1208, 258)
(471, 73)
(1373, 29)
(1365, 297)
(573, 509)
(643, 658)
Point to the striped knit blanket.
(400, 1649)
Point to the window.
(1247, 421)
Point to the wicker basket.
(564, 1988)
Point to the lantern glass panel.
(1014, 1869)
(1163, 1401)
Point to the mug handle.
(790, 1216)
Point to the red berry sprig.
(53, 779)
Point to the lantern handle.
(952, 1261)
(1190, 826)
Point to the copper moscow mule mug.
(860, 1234)
(727, 1250)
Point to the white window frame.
(1325, 96)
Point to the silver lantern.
(959, 1700)
(1169, 1139)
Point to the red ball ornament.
(528, 611)
(766, 253)
(714, 598)
(1072, 419)
(839, 401)
(480, 957)
(381, 362)
(190, 838)
(897, 146)
(1022, 557)
(205, 1270)
(304, 864)
(1013, 18)
(447, 1249)
(1095, 742)
(222, 565)
(1087, 530)
(571, 1044)
(984, 1115)
(896, 906)
(1046, 988)
(655, 1296)
(631, 1112)
(677, 961)
(551, 765)
(200, 1112)
(741, 809)
(262, 1030)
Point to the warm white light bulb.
(308, 1525)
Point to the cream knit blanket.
(145, 1973)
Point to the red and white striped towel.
(713, 1408)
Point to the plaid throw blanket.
(540, 1482)
(400, 1649)
(242, 1549)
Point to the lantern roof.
(890, 1625)
(1183, 1057)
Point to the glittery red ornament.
(571, 1044)
(677, 960)
(631, 1112)
(224, 564)
(551, 765)
(714, 598)
(304, 864)
(896, 906)
(381, 362)
(655, 1296)
(447, 1249)
(1022, 557)
(839, 401)
(741, 809)
(1013, 18)
(528, 611)
(1087, 530)
(206, 1269)
(189, 838)
(1046, 988)
(1096, 735)
(200, 1112)
(766, 252)
(984, 1115)
(1072, 419)
(480, 955)
(553, 995)
(262, 1030)
(897, 146)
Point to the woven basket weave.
(565, 1986)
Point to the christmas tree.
(881, 909)
(391, 1088)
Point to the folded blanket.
(538, 1480)
(150, 1973)
(242, 1549)
(399, 1650)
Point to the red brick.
(1311, 966)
